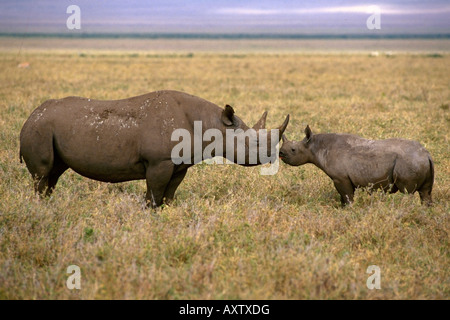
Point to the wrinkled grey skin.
(351, 162)
(120, 140)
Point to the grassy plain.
(231, 233)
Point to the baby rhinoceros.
(351, 162)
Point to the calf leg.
(425, 197)
(393, 189)
(425, 192)
(345, 189)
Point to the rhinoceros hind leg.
(46, 174)
(40, 184)
(59, 167)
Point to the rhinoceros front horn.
(261, 124)
(282, 128)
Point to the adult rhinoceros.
(129, 139)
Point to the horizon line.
(230, 36)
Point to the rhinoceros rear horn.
(282, 128)
(228, 115)
(261, 124)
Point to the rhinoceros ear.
(284, 138)
(308, 133)
(228, 115)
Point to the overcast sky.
(226, 16)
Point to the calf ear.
(308, 133)
(228, 115)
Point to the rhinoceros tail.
(20, 157)
(431, 170)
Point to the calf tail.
(431, 171)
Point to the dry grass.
(231, 232)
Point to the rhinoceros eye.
(293, 149)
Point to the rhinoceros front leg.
(158, 177)
(345, 189)
(175, 181)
